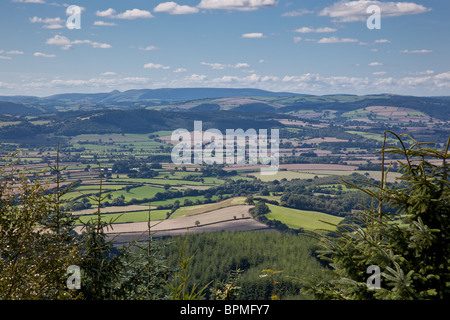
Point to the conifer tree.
(410, 248)
(35, 246)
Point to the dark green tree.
(410, 247)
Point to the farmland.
(116, 166)
(318, 147)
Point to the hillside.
(215, 99)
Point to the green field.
(138, 193)
(373, 136)
(309, 220)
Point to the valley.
(322, 139)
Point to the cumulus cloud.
(14, 52)
(375, 64)
(382, 41)
(148, 48)
(108, 13)
(220, 66)
(241, 5)
(29, 1)
(351, 11)
(104, 23)
(65, 43)
(315, 30)
(40, 54)
(49, 23)
(134, 14)
(337, 40)
(128, 14)
(296, 13)
(155, 66)
(254, 35)
(174, 8)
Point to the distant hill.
(214, 99)
(168, 94)
(13, 108)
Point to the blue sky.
(308, 46)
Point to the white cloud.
(104, 23)
(219, 66)
(379, 73)
(296, 13)
(93, 44)
(443, 76)
(351, 11)
(196, 77)
(254, 35)
(180, 70)
(241, 5)
(5, 58)
(61, 41)
(148, 48)
(155, 66)
(95, 82)
(29, 1)
(49, 23)
(174, 8)
(382, 41)
(417, 51)
(128, 14)
(14, 52)
(315, 30)
(375, 64)
(40, 54)
(215, 66)
(240, 65)
(108, 13)
(337, 40)
(108, 73)
(421, 72)
(134, 14)
(66, 44)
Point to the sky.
(304, 46)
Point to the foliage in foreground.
(411, 247)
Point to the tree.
(36, 244)
(410, 246)
(249, 200)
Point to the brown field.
(227, 219)
(297, 166)
(324, 139)
(116, 209)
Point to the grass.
(137, 193)
(373, 136)
(308, 220)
